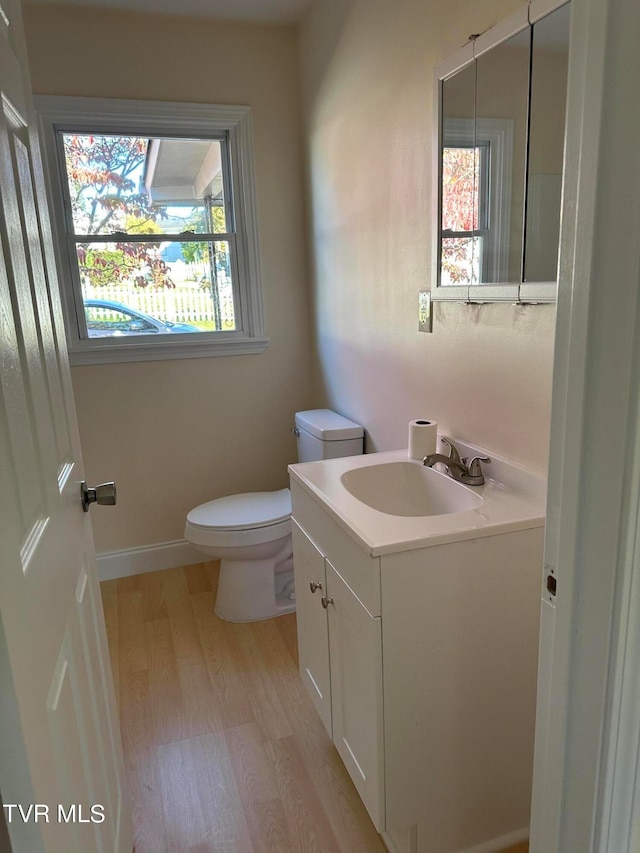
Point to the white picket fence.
(177, 305)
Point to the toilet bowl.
(251, 536)
(251, 533)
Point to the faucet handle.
(475, 469)
(453, 450)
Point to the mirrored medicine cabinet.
(501, 104)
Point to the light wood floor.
(224, 751)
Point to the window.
(154, 219)
(464, 212)
(476, 201)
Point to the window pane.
(156, 288)
(106, 320)
(460, 179)
(461, 260)
(145, 186)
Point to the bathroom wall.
(175, 433)
(485, 372)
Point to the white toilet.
(251, 533)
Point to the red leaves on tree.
(459, 189)
(459, 214)
(103, 174)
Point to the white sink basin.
(388, 502)
(407, 489)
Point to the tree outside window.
(461, 248)
(123, 188)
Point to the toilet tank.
(323, 434)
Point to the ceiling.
(182, 170)
(272, 11)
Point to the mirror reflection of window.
(502, 84)
(460, 249)
(501, 129)
(465, 177)
(550, 54)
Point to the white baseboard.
(405, 841)
(147, 558)
(502, 843)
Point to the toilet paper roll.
(423, 436)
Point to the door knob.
(104, 494)
(314, 585)
(326, 601)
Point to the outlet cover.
(425, 318)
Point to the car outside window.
(105, 320)
(155, 223)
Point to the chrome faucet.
(470, 475)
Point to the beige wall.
(175, 433)
(485, 372)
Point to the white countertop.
(513, 499)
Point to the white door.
(59, 737)
(587, 760)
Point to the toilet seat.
(251, 534)
(248, 519)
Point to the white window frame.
(497, 136)
(159, 118)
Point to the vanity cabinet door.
(311, 617)
(355, 644)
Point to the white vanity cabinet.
(461, 625)
(313, 635)
(355, 650)
(439, 740)
(340, 661)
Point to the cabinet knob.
(326, 601)
(313, 586)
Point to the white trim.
(541, 8)
(454, 63)
(406, 843)
(170, 349)
(497, 844)
(160, 118)
(498, 134)
(619, 824)
(411, 841)
(501, 32)
(493, 293)
(147, 558)
(525, 292)
(451, 293)
(540, 292)
(586, 762)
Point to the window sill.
(110, 352)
